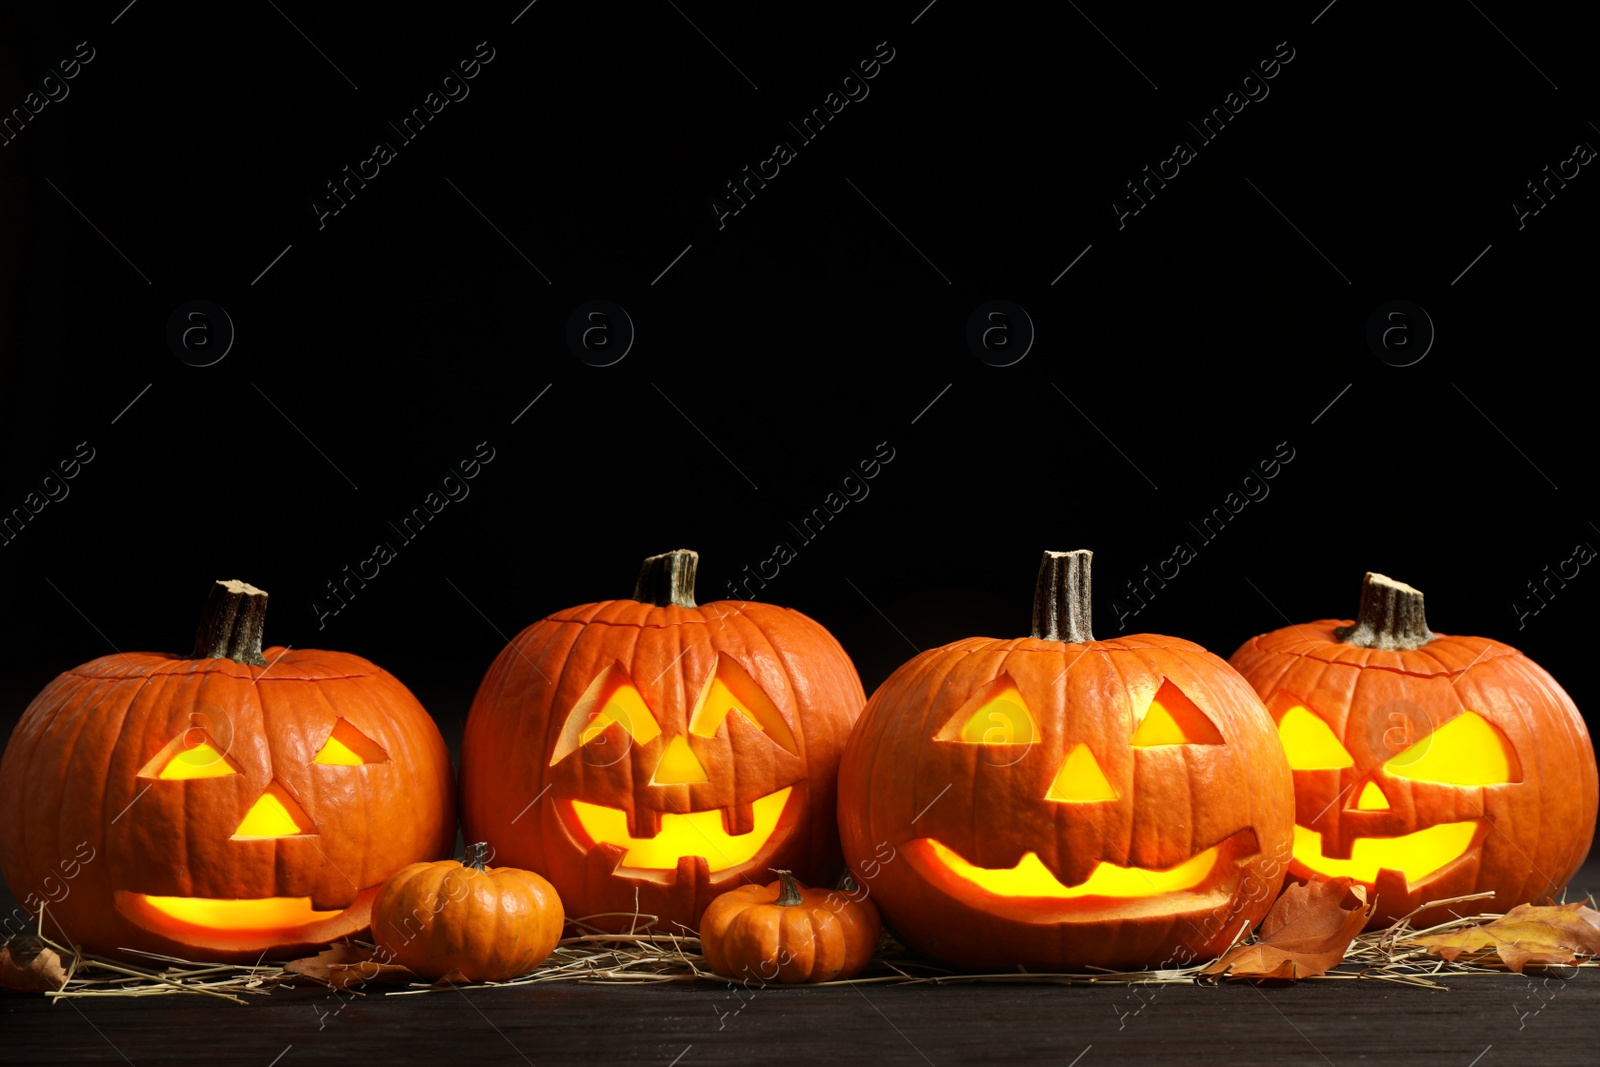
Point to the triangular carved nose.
(1370, 798)
(678, 765)
(274, 814)
(1080, 779)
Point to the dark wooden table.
(1480, 1022)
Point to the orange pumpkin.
(1425, 765)
(489, 923)
(646, 754)
(224, 804)
(1057, 802)
(782, 932)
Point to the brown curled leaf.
(1528, 933)
(1306, 932)
(344, 966)
(27, 963)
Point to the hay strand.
(644, 955)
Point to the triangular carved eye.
(192, 754)
(729, 689)
(996, 715)
(1173, 719)
(348, 747)
(1307, 739)
(610, 698)
(1467, 750)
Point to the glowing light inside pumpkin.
(718, 702)
(203, 760)
(678, 765)
(1173, 719)
(1372, 798)
(1467, 750)
(338, 754)
(627, 707)
(1030, 877)
(1309, 742)
(274, 814)
(265, 914)
(696, 833)
(1080, 779)
(1001, 719)
(348, 747)
(730, 689)
(1415, 855)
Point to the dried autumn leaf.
(343, 966)
(1305, 933)
(358, 974)
(1552, 933)
(317, 966)
(27, 963)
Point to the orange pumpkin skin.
(525, 775)
(78, 783)
(1532, 831)
(489, 923)
(909, 796)
(788, 934)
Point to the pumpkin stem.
(231, 624)
(1391, 616)
(477, 856)
(788, 889)
(1061, 609)
(668, 579)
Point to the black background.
(781, 349)
(1170, 360)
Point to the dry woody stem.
(231, 624)
(1390, 618)
(668, 579)
(1061, 610)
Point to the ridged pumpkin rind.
(511, 795)
(70, 785)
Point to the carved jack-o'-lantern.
(649, 754)
(227, 805)
(1059, 802)
(1426, 766)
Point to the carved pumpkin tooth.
(741, 819)
(644, 823)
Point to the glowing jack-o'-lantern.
(1060, 802)
(224, 805)
(1426, 766)
(648, 754)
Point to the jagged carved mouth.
(1031, 892)
(1415, 856)
(703, 834)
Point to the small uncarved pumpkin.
(782, 932)
(489, 923)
